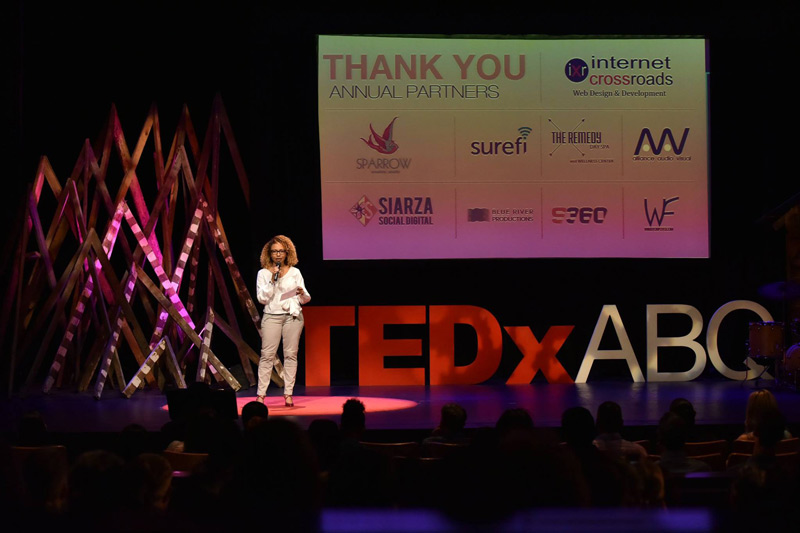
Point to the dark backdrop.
(69, 63)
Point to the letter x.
(539, 355)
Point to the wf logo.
(656, 216)
(650, 143)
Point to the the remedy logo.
(500, 214)
(655, 215)
(581, 141)
(395, 211)
(518, 146)
(363, 210)
(386, 145)
(647, 149)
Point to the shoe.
(287, 400)
(260, 399)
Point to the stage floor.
(717, 402)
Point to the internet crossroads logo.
(620, 72)
(395, 211)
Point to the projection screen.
(444, 148)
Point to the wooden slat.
(178, 318)
(216, 271)
(45, 300)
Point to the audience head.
(254, 413)
(758, 403)
(354, 420)
(324, 437)
(281, 450)
(32, 430)
(609, 417)
(514, 420)
(577, 426)
(769, 429)
(152, 481)
(684, 408)
(672, 431)
(453, 417)
(96, 483)
(133, 440)
(45, 474)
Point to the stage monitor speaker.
(182, 403)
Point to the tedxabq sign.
(539, 355)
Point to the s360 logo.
(579, 215)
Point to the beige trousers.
(275, 328)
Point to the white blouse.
(270, 294)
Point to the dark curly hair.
(286, 242)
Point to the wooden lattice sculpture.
(65, 280)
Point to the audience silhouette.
(451, 426)
(273, 470)
(672, 433)
(609, 433)
(759, 403)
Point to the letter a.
(593, 351)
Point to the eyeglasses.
(277, 251)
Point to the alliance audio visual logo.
(655, 216)
(665, 145)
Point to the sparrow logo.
(576, 70)
(647, 143)
(383, 144)
(363, 210)
(656, 216)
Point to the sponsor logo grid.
(571, 168)
(419, 210)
